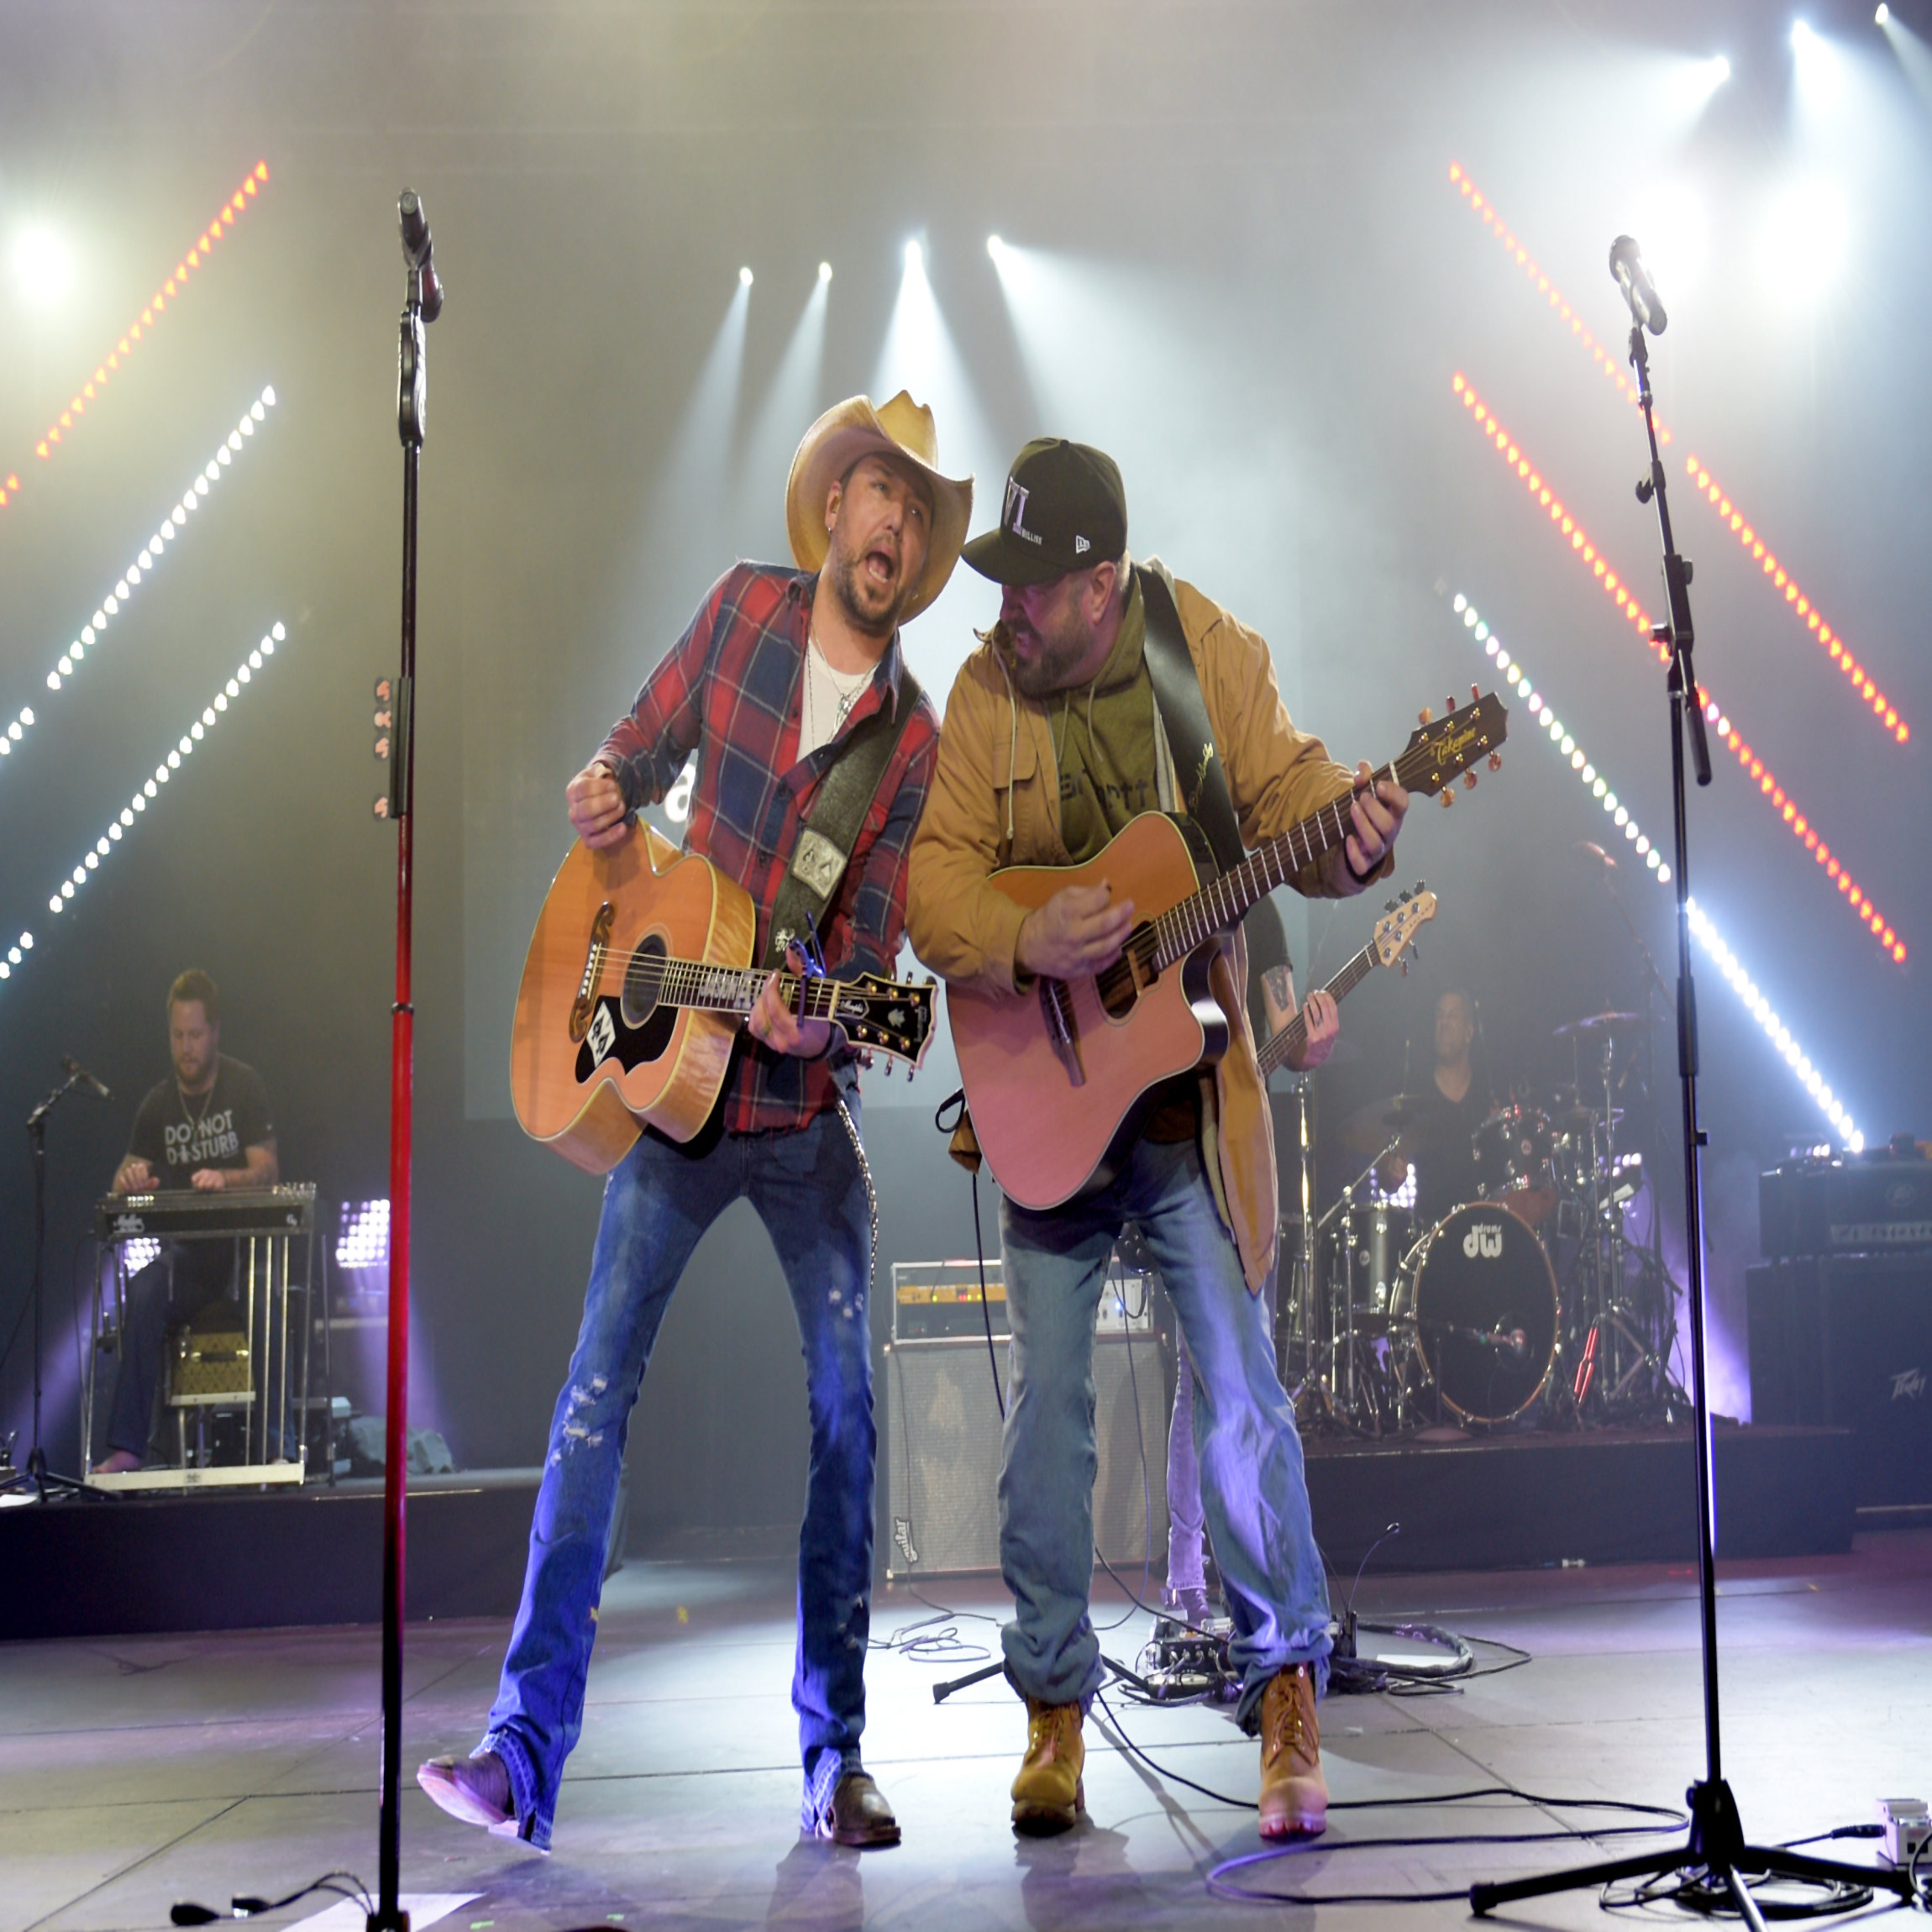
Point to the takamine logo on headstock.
(1443, 748)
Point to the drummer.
(1439, 1137)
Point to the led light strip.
(1801, 605)
(1541, 710)
(1741, 983)
(1775, 1029)
(198, 253)
(1611, 365)
(152, 551)
(1800, 826)
(149, 790)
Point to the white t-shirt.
(826, 699)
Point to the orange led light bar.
(199, 250)
(1609, 364)
(1769, 789)
(1882, 708)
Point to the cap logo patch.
(1081, 546)
(1016, 516)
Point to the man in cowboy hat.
(1054, 739)
(777, 671)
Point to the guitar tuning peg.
(1448, 796)
(1449, 703)
(1404, 968)
(1475, 694)
(1388, 905)
(1468, 781)
(1402, 895)
(1425, 715)
(1495, 761)
(1419, 885)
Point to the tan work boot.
(1293, 1793)
(1048, 1794)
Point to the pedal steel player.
(208, 1128)
(777, 668)
(1052, 743)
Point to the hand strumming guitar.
(1079, 930)
(598, 813)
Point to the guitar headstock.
(886, 1015)
(1395, 932)
(1439, 749)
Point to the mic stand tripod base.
(1717, 1850)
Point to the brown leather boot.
(1293, 1793)
(1049, 1795)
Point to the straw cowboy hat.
(853, 428)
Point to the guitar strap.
(832, 826)
(1197, 770)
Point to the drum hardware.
(1514, 1149)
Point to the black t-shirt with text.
(177, 1136)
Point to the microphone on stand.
(78, 1076)
(419, 251)
(1628, 271)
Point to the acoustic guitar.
(1058, 1079)
(1393, 935)
(638, 978)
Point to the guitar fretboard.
(691, 983)
(1294, 1036)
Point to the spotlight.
(43, 267)
(1883, 14)
(915, 258)
(1719, 70)
(744, 277)
(825, 271)
(995, 247)
(1803, 39)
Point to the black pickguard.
(627, 1045)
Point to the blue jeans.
(810, 1192)
(1252, 1487)
(1187, 1522)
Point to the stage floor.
(137, 1771)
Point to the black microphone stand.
(1718, 1860)
(423, 304)
(36, 1475)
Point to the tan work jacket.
(994, 801)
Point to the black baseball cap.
(1065, 510)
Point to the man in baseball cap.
(1052, 743)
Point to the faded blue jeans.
(810, 1192)
(1253, 1490)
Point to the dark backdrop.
(1257, 283)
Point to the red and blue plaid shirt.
(730, 689)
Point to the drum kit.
(1533, 1303)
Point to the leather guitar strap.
(1198, 773)
(832, 826)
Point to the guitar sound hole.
(643, 981)
(1117, 991)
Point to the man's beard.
(849, 588)
(1053, 668)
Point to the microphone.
(418, 250)
(78, 1076)
(1597, 853)
(1628, 271)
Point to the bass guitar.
(1394, 934)
(638, 978)
(1058, 1079)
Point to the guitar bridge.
(1057, 1009)
(584, 1005)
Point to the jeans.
(809, 1189)
(1252, 1486)
(146, 1313)
(1187, 1522)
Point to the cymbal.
(1369, 1129)
(1598, 1023)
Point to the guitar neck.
(691, 984)
(1218, 907)
(1294, 1036)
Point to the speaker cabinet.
(1847, 1341)
(941, 1430)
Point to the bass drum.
(1482, 1299)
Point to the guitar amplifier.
(1844, 1207)
(941, 1427)
(932, 1300)
(1845, 1341)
